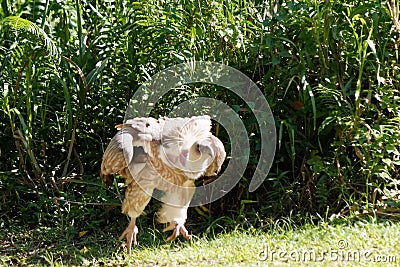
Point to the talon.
(131, 236)
(169, 227)
(179, 229)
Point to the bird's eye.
(198, 147)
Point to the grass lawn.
(358, 244)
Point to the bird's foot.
(179, 229)
(131, 236)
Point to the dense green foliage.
(328, 69)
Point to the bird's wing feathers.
(127, 151)
(148, 129)
(117, 156)
(132, 144)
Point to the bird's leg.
(179, 229)
(130, 233)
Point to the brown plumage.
(167, 154)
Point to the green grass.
(360, 243)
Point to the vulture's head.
(194, 149)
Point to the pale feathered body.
(167, 154)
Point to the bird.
(167, 154)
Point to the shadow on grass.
(47, 245)
(81, 241)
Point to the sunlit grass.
(350, 245)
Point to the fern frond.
(19, 24)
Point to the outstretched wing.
(180, 141)
(126, 154)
